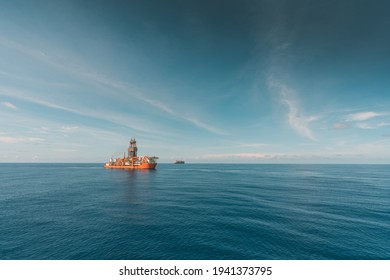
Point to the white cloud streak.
(13, 140)
(294, 115)
(239, 155)
(339, 126)
(205, 126)
(69, 129)
(334, 156)
(363, 116)
(111, 116)
(253, 145)
(9, 105)
(115, 88)
(364, 120)
(364, 125)
(383, 124)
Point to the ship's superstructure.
(132, 160)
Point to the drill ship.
(132, 160)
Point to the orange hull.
(132, 161)
(141, 166)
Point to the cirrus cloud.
(239, 155)
(13, 140)
(296, 120)
(9, 105)
(339, 126)
(363, 116)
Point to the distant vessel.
(179, 162)
(132, 161)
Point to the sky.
(202, 81)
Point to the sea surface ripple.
(195, 211)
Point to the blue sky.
(203, 81)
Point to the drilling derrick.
(132, 150)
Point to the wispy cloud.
(159, 105)
(107, 85)
(339, 126)
(9, 105)
(22, 95)
(114, 117)
(52, 128)
(363, 116)
(335, 156)
(383, 124)
(69, 129)
(205, 126)
(239, 155)
(300, 124)
(253, 145)
(364, 125)
(13, 140)
(375, 148)
(195, 121)
(294, 115)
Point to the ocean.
(195, 211)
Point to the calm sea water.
(195, 211)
